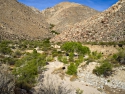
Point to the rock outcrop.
(106, 26)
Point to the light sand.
(73, 85)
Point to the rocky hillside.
(66, 14)
(18, 21)
(106, 26)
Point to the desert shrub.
(83, 50)
(54, 32)
(60, 58)
(49, 58)
(22, 46)
(72, 47)
(79, 91)
(46, 45)
(51, 85)
(95, 55)
(55, 53)
(4, 48)
(71, 57)
(118, 57)
(79, 60)
(104, 69)
(6, 81)
(9, 60)
(72, 69)
(64, 60)
(121, 53)
(51, 26)
(17, 54)
(27, 68)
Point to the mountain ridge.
(71, 21)
(22, 22)
(66, 14)
(107, 26)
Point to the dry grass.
(73, 78)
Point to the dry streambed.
(86, 81)
(73, 85)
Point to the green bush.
(79, 60)
(9, 60)
(79, 91)
(17, 54)
(49, 58)
(104, 69)
(71, 57)
(54, 32)
(72, 47)
(118, 57)
(27, 68)
(72, 69)
(64, 60)
(4, 48)
(55, 53)
(95, 55)
(60, 58)
(51, 26)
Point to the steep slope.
(66, 14)
(106, 26)
(18, 21)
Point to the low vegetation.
(54, 32)
(74, 53)
(4, 48)
(50, 87)
(119, 57)
(104, 69)
(71, 47)
(27, 65)
(106, 43)
(27, 69)
(52, 26)
(72, 69)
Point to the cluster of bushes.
(25, 44)
(30, 64)
(27, 69)
(71, 47)
(94, 56)
(106, 66)
(119, 57)
(72, 69)
(4, 48)
(75, 53)
(9, 60)
(104, 69)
